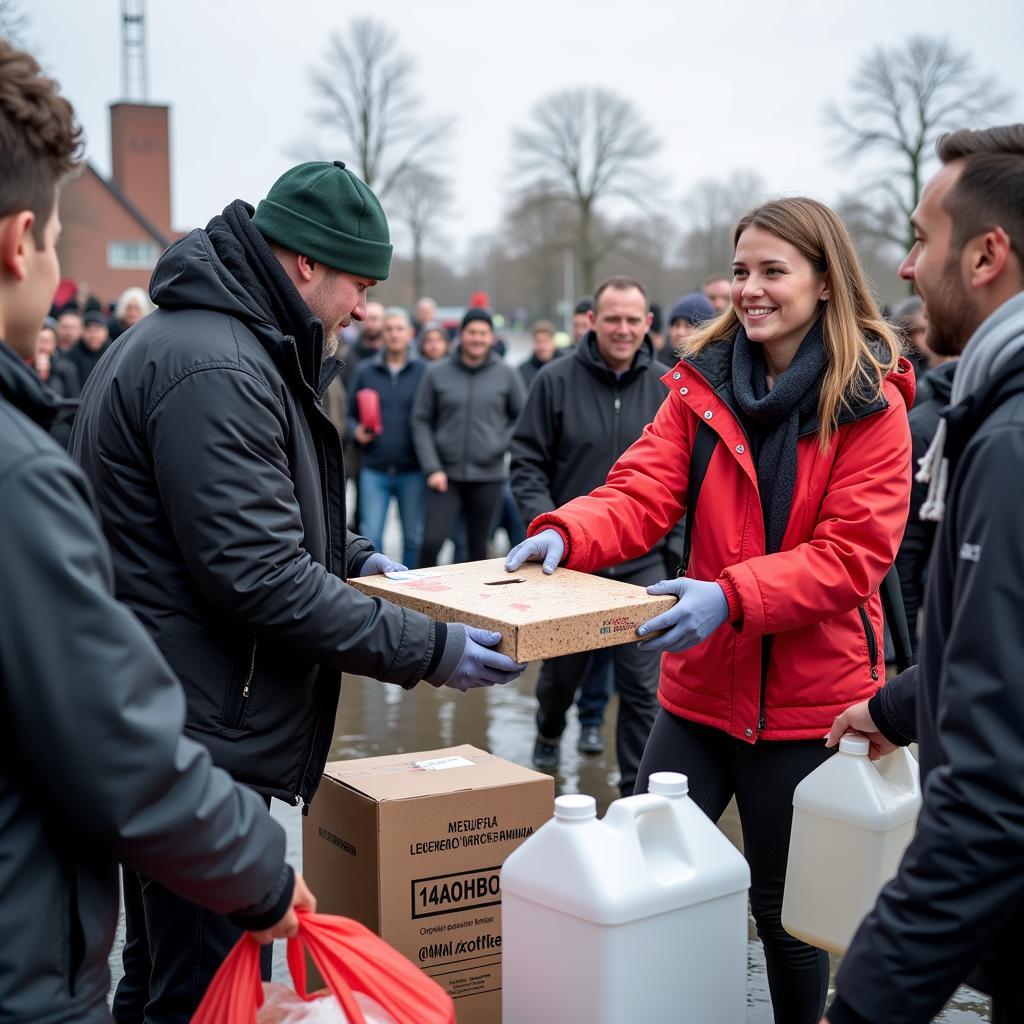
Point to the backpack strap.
(896, 619)
(704, 442)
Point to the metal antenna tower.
(134, 69)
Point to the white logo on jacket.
(970, 552)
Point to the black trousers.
(477, 501)
(635, 676)
(762, 777)
(171, 952)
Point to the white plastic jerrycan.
(638, 918)
(852, 820)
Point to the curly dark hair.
(40, 140)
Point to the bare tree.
(366, 92)
(903, 99)
(710, 212)
(418, 199)
(586, 146)
(13, 22)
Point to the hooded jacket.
(955, 910)
(392, 451)
(578, 419)
(817, 596)
(94, 768)
(222, 493)
(463, 418)
(912, 559)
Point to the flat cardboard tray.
(538, 616)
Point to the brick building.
(115, 229)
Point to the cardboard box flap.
(427, 773)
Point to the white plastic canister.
(852, 820)
(636, 918)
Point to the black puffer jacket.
(578, 419)
(955, 911)
(222, 493)
(94, 768)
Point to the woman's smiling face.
(775, 290)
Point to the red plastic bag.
(368, 407)
(349, 957)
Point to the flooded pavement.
(376, 718)
(379, 719)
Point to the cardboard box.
(538, 616)
(412, 845)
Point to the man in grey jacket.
(462, 422)
(94, 767)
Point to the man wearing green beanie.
(222, 491)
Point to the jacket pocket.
(238, 698)
(869, 635)
(74, 935)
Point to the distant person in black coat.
(544, 350)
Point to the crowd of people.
(176, 500)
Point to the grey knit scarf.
(997, 340)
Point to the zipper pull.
(618, 403)
(245, 692)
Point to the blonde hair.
(861, 347)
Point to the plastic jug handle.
(624, 813)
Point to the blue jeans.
(376, 489)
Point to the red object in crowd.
(479, 300)
(350, 959)
(368, 407)
(848, 513)
(66, 292)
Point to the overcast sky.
(725, 85)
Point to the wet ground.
(379, 719)
(376, 718)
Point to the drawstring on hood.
(996, 341)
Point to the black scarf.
(776, 414)
(250, 260)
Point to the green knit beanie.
(325, 212)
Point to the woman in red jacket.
(778, 624)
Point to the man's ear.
(306, 267)
(650, 320)
(987, 257)
(15, 237)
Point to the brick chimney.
(141, 159)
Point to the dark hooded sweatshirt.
(578, 419)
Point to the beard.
(952, 318)
(319, 303)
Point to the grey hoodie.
(463, 418)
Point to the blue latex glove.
(546, 547)
(479, 665)
(700, 610)
(377, 563)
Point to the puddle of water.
(376, 718)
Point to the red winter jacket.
(817, 596)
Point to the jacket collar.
(22, 387)
(589, 355)
(964, 420)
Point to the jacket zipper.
(869, 635)
(237, 710)
(469, 418)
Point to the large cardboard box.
(538, 616)
(412, 845)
